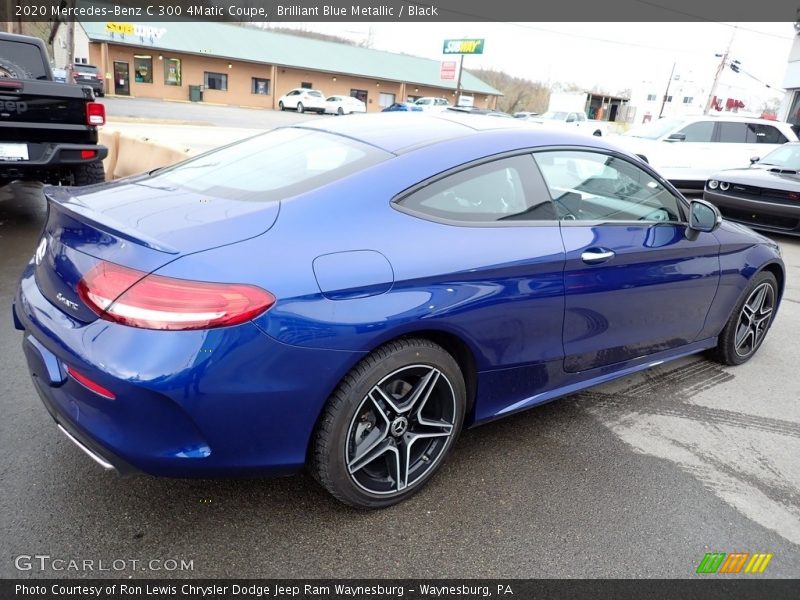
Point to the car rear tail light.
(88, 153)
(794, 196)
(134, 298)
(89, 384)
(95, 113)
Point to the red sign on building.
(448, 70)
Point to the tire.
(300, 108)
(281, 106)
(751, 319)
(339, 111)
(88, 174)
(405, 399)
(10, 69)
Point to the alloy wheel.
(754, 319)
(401, 430)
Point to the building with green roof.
(249, 66)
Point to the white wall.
(60, 46)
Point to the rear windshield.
(85, 68)
(274, 165)
(21, 60)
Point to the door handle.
(596, 256)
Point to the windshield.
(554, 115)
(654, 129)
(785, 157)
(85, 68)
(274, 165)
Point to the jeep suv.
(89, 75)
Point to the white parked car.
(302, 99)
(430, 103)
(344, 105)
(565, 119)
(688, 150)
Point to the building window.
(172, 71)
(259, 87)
(385, 99)
(669, 98)
(651, 97)
(688, 99)
(360, 94)
(306, 85)
(143, 68)
(215, 81)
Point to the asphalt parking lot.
(638, 478)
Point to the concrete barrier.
(136, 147)
(131, 154)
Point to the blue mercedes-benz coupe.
(347, 295)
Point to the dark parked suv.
(89, 75)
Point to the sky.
(611, 56)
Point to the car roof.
(398, 132)
(728, 117)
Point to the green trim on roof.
(263, 46)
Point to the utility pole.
(720, 68)
(666, 92)
(458, 84)
(70, 66)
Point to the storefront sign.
(143, 31)
(448, 70)
(474, 46)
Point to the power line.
(707, 20)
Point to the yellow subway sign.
(473, 46)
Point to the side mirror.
(676, 137)
(704, 217)
(754, 159)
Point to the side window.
(590, 186)
(572, 117)
(732, 133)
(490, 192)
(700, 132)
(764, 134)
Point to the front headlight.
(713, 184)
(724, 185)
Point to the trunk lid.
(135, 226)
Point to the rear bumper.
(48, 156)
(226, 402)
(758, 214)
(96, 85)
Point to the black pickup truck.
(48, 130)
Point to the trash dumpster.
(196, 93)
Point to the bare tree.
(519, 94)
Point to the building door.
(122, 82)
(360, 94)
